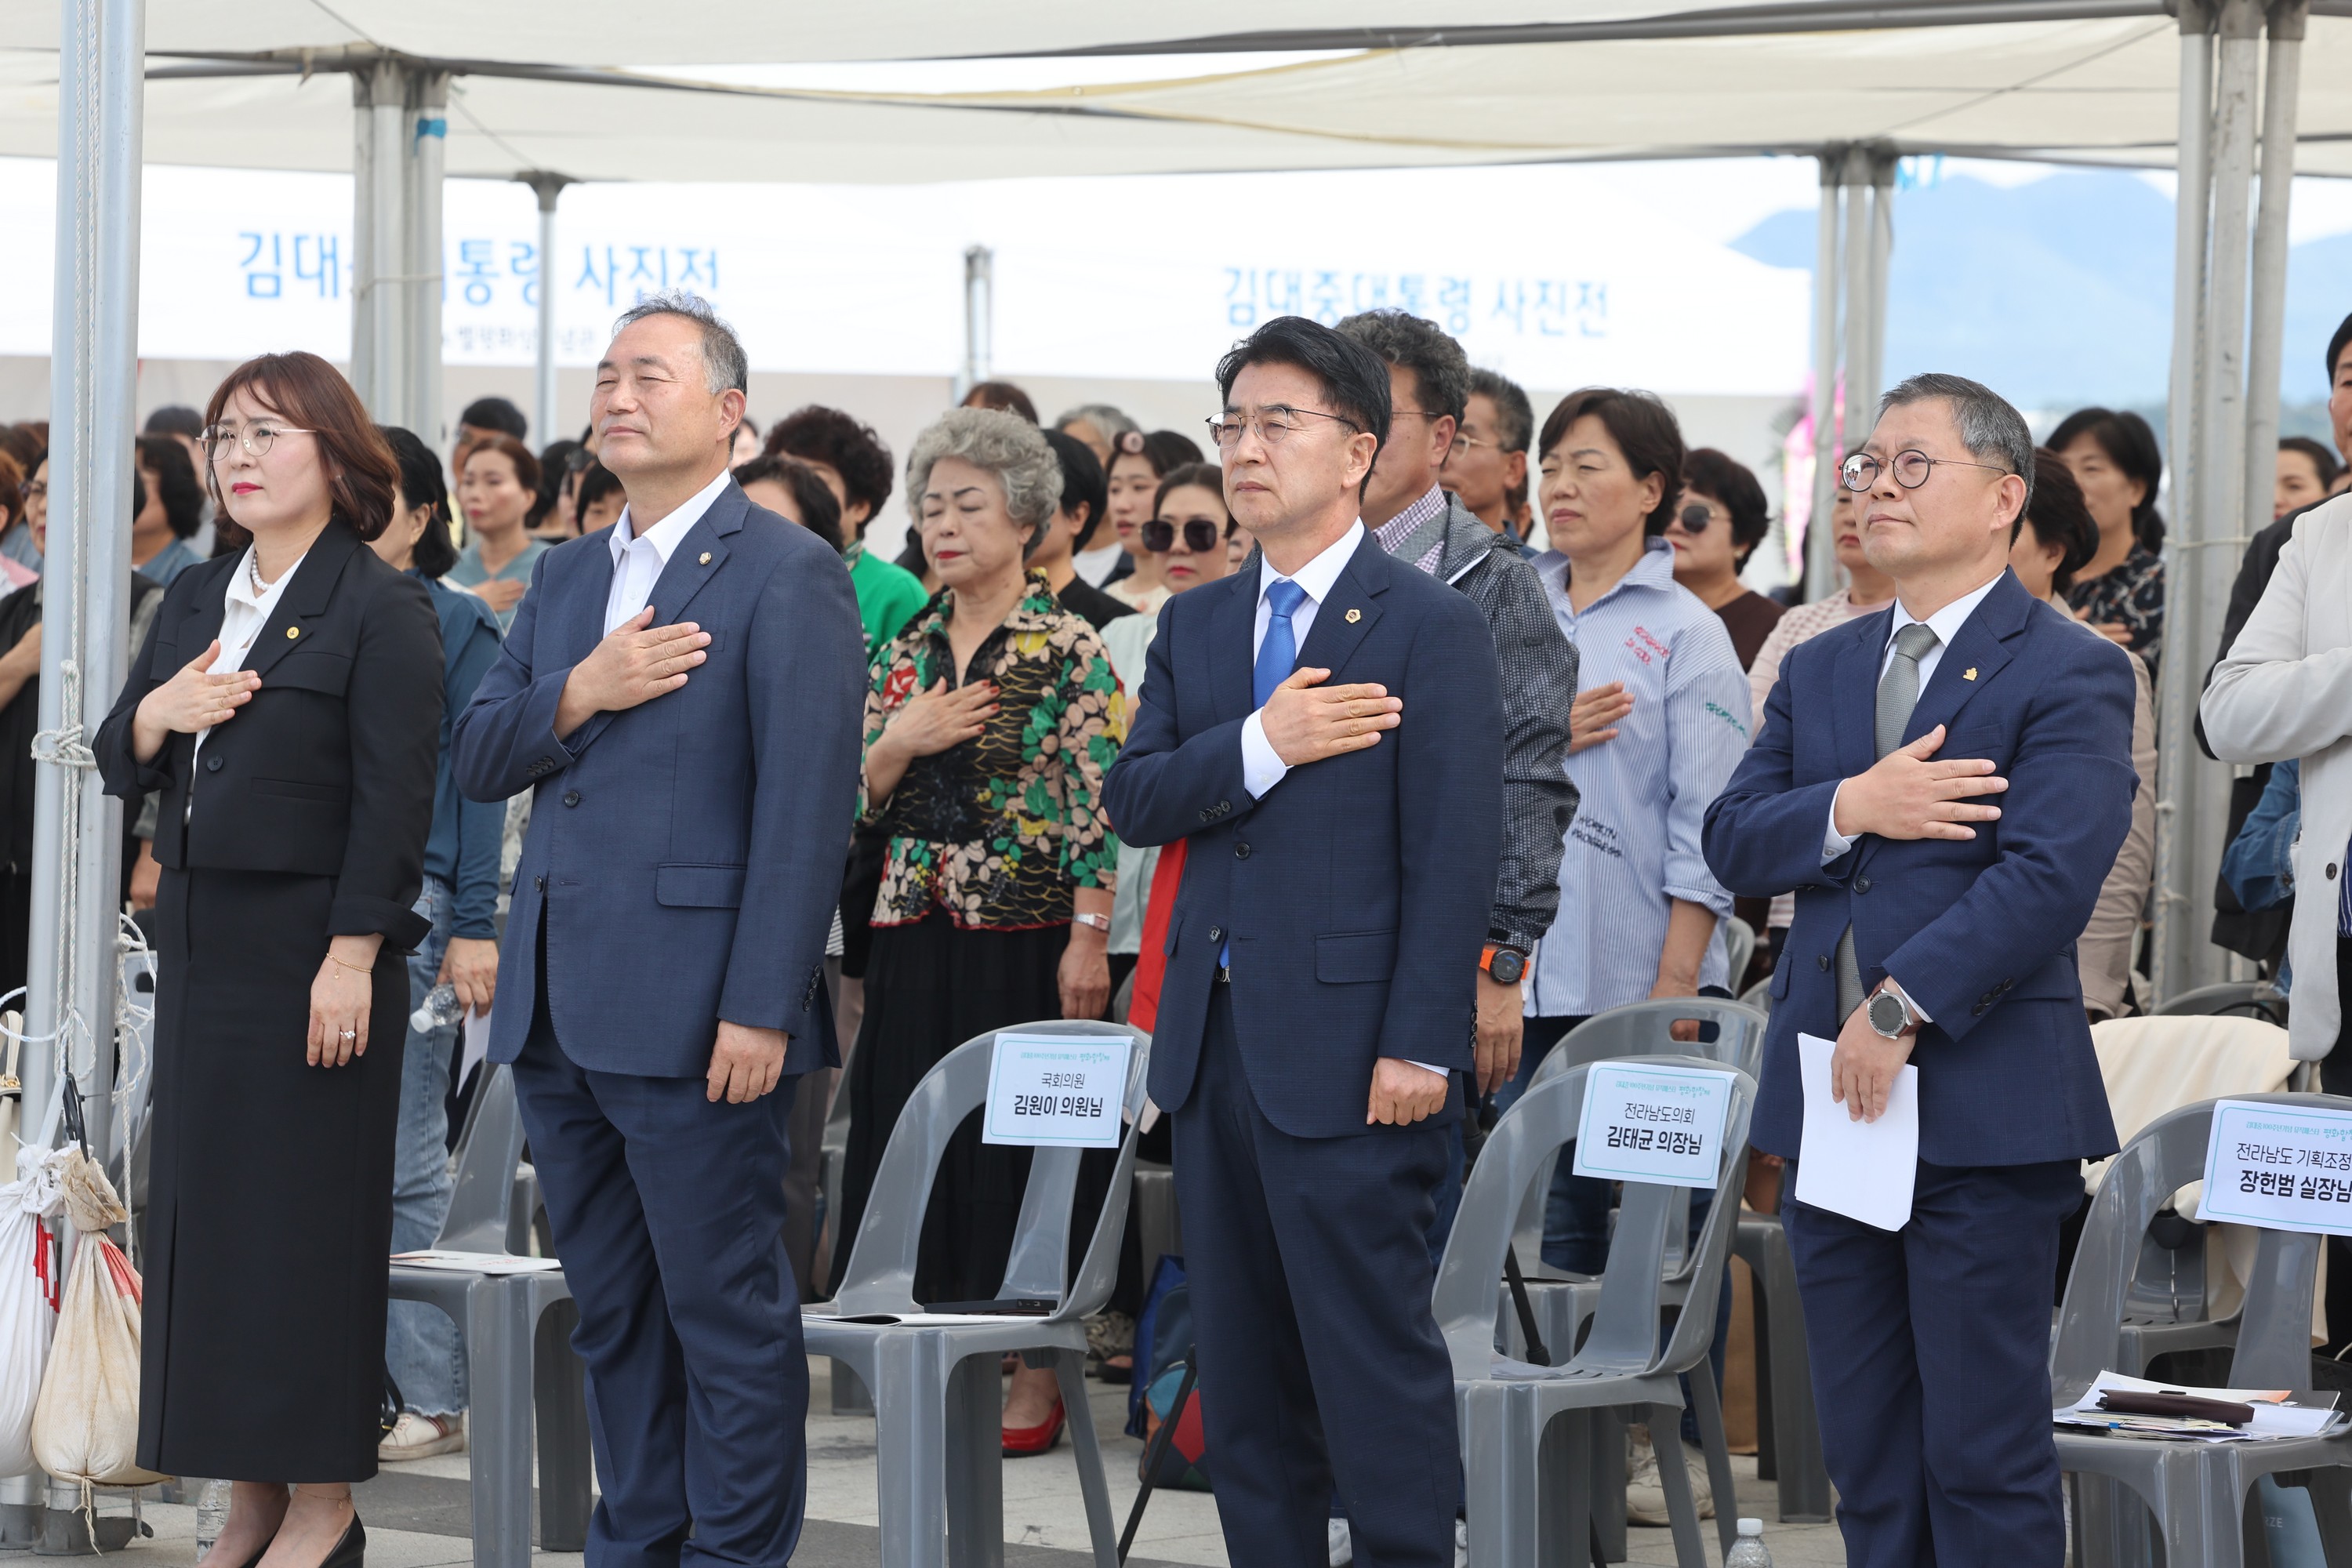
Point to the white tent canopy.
(535, 87)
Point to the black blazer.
(329, 771)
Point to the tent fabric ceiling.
(2093, 89)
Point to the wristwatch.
(1506, 965)
(1100, 922)
(1891, 1014)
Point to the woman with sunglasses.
(1139, 465)
(1718, 522)
(288, 703)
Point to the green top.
(887, 594)
(469, 572)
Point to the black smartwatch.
(1506, 965)
(1891, 1015)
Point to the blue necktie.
(1276, 657)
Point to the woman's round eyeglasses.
(257, 439)
(1912, 468)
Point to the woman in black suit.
(288, 704)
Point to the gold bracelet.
(347, 964)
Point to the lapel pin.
(706, 559)
(292, 632)
(1970, 673)
(1355, 616)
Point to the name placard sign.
(1057, 1092)
(2282, 1167)
(1660, 1124)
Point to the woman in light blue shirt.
(1661, 722)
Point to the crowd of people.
(632, 743)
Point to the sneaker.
(1645, 1493)
(421, 1437)
(1343, 1545)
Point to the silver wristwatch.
(1891, 1014)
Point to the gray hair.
(1992, 430)
(1005, 445)
(1102, 417)
(724, 364)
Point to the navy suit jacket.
(1980, 934)
(685, 853)
(1355, 895)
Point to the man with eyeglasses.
(1945, 783)
(1326, 731)
(1416, 519)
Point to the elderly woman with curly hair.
(992, 719)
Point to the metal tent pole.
(978, 318)
(2282, 81)
(1861, 393)
(364, 171)
(426, 141)
(1883, 165)
(93, 383)
(2181, 767)
(1821, 543)
(381, 208)
(2198, 600)
(548, 187)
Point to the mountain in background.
(2059, 292)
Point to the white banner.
(1554, 275)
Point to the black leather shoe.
(350, 1552)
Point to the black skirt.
(269, 1213)
(929, 987)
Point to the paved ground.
(417, 1514)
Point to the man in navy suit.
(681, 693)
(1327, 729)
(1945, 783)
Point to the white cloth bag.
(27, 1313)
(86, 1427)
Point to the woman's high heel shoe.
(350, 1552)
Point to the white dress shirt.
(638, 558)
(1261, 768)
(1945, 624)
(244, 610)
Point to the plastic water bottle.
(441, 1009)
(1748, 1551)
(212, 1512)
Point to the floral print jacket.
(2132, 594)
(998, 830)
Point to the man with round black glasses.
(1945, 783)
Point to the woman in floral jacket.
(989, 724)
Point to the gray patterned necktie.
(1898, 693)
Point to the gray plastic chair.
(1562, 1306)
(516, 1332)
(2250, 998)
(1739, 945)
(937, 1395)
(1528, 1471)
(2195, 1491)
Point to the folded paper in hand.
(1863, 1170)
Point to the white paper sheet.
(2275, 1415)
(478, 1262)
(1863, 1170)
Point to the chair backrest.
(2273, 1346)
(1646, 1029)
(2248, 998)
(1740, 946)
(1625, 1329)
(489, 1147)
(881, 1273)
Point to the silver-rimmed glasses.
(257, 438)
